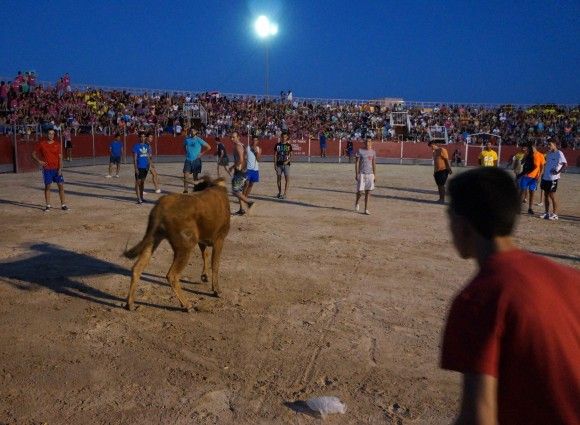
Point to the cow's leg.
(136, 271)
(204, 255)
(215, 265)
(180, 259)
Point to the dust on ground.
(317, 300)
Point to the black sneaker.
(240, 212)
(279, 196)
(139, 201)
(64, 208)
(530, 211)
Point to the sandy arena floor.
(317, 300)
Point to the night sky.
(455, 51)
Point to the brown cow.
(201, 218)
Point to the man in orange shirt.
(532, 172)
(442, 168)
(48, 155)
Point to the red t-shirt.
(50, 153)
(519, 321)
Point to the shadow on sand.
(63, 272)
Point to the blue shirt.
(143, 151)
(116, 148)
(193, 147)
(322, 139)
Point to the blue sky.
(457, 51)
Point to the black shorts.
(549, 186)
(224, 160)
(141, 173)
(441, 177)
(68, 144)
(115, 159)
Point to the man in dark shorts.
(222, 156)
(115, 152)
(555, 164)
(322, 141)
(195, 147)
(513, 331)
(442, 168)
(141, 154)
(239, 174)
(51, 162)
(282, 158)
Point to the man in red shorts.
(514, 330)
(48, 155)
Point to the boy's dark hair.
(488, 198)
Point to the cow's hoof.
(216, 294)
(188, 308)
(129, 307)
(204, 278)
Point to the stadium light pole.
(266, 29)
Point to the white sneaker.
(157, 190)
(540, 204)
(545, 216)
(144, 193)
(367, 212)
(357, 207)
(553, 217)
(116, 176)
(108, 176)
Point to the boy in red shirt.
(514, 330)
(48, 155)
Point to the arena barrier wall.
(15, 151)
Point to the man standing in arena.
(513, 331)
(141, 155)
(282, 158)
(115, 154)
(253, 153)
(442, 168)
(488, 157)
(239, 174)
(195, 147)
(364, 174)
(531, 173)
(152, 169)
(322, 141)
(222, 157)
(555, 164)
(51, 163)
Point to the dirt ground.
(317, 300)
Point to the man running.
(141, 155)
(442, 168)
(488, 157)
(115, 154)
(51, 164)
(282, 158)
(253, 153)
(555, 164)
(239, 174)
(195, 147)
(364, 174)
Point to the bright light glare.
(265, 28)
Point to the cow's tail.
(147, 240)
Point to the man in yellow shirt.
(488, 157)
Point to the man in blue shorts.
(141, 154)
(239, 174)
(253, 167)
(48, 155)
(195, 147)
(116, 152)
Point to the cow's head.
(206, 182)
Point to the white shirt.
(554, 161)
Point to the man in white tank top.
(253, 153)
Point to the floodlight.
(265, 28)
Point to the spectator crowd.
(27, 104)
